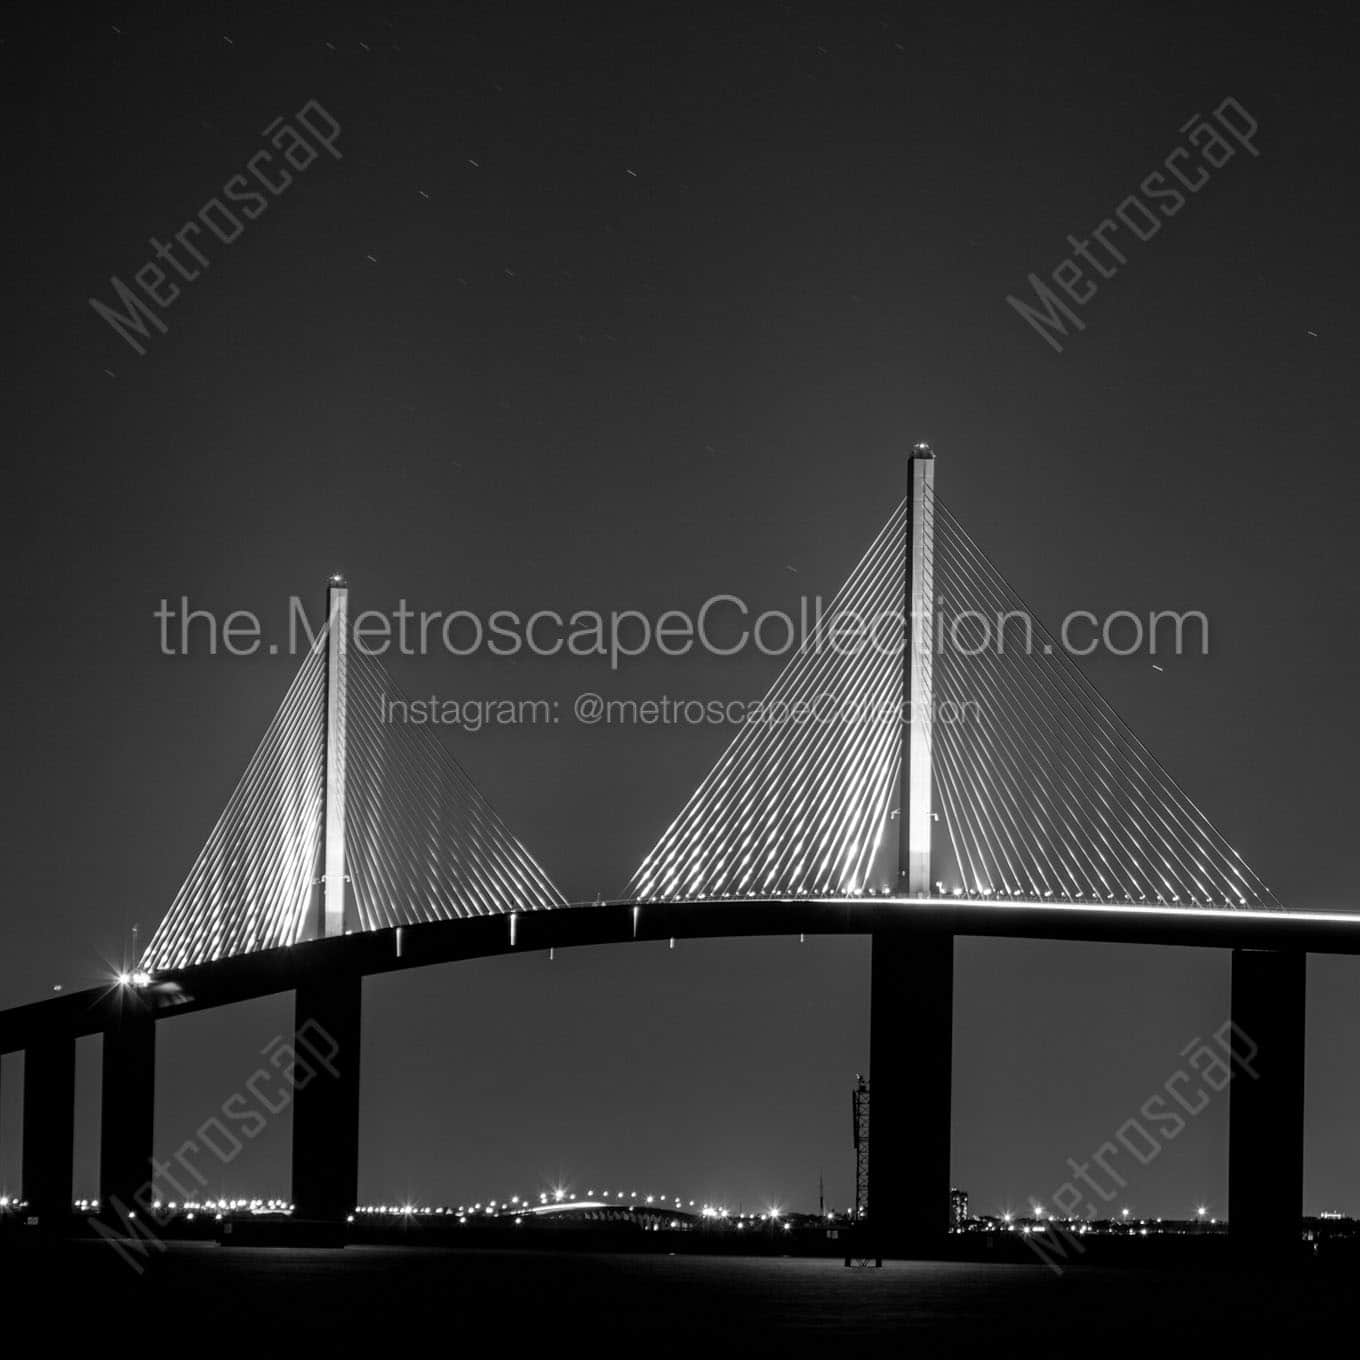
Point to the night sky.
(623, 308)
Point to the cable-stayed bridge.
(943, 768)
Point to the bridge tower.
(337, 694)
(911, 1014)
(328, 1005)
(914, 820)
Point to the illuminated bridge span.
(1001, 796)
(344, 822)
(1040, 790)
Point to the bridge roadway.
(911, 1020)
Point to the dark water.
(202, 1299)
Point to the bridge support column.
(127, 1104)
(49, 1128)
(1265, 1131)
(326, 1098)
(911, 1035)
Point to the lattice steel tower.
(859, 1106)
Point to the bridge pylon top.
(951, 747)
(351, 815)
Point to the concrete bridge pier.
(1265, 1131)
(327, 1036)
(49, 1128)
(911, 1004)
(911, 1038)
(127, 1103)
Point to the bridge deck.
(249, 976)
